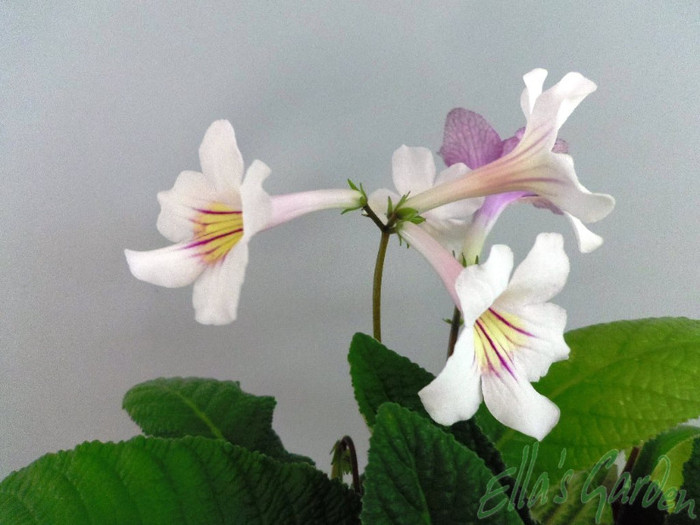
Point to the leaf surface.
(192, 480)
(418, 474)
(624, 383)
(179, 407)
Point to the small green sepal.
(363, 197)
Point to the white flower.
(413, 172)
(510, 338)
(532, 166)
(211, 216)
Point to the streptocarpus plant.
(578, 427)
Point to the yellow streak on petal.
(497, 336)
(217, 229)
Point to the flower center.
(497, 335)
(217, 229)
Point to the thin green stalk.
(377, 287)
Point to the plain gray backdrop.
(104, 103)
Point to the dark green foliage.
(418, 474)
(154, 481)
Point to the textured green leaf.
(154, 481)
(687, 508)
(179, 407)
(380, 375)
(624, 383)
(564, 505)
(663, 457)
(418, 474)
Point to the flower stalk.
(386, 229)
(377, 286)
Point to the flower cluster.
(511, 333)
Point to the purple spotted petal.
(469, 139)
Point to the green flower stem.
(386, 229)
(376, 220)
(377, 287)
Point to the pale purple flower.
(469, 139)
(211, 216)
(533, 165)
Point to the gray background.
(103, 104)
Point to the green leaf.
(663, 457)
(179, 407)
(190, 481)
(687, 507)
(380, 375)
(624, 383)
(419, 474)
(564, 505)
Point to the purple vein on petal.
(509, 324)
(495, 348)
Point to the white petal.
(455, 394)
(453, 172)
(178, 205)
(413, 170)
(378, 202)
(553, 107)
(172, 267)
(257, 205)
(534, 81)
(449, 233)
(569, 92)
(540, 276)
(216, 293)
(220, 158)
(587, 240)
(557, 182)
(478, 286)
(514, 402)
(462, 209)
(546, 323)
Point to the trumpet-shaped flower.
(535, 168)
(413, 171)
(511, 334)
(211, 216)
(469, 139)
